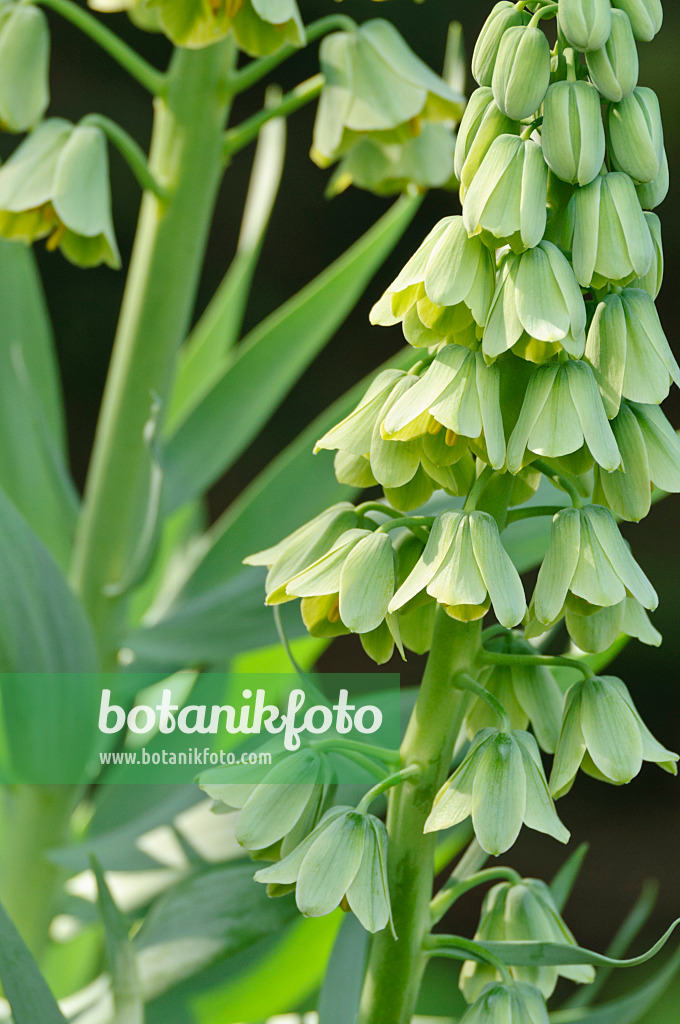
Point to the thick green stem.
(395, 967)
(186, 160)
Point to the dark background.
(634, 832)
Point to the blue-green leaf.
(24, 986)
(341, 990)
(125, 984)
(565, 879)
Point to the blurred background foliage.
(634, 833)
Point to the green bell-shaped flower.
(653, 193)
(636, 135)
(56, 186)
(459, 391)
(594, 630)
(501, 784)
(529, 694)
(604, 734)
(344, 858)
(537, 295)
(646, 17)
(650, 457)
(653, 279)
(607, 233)
(614, 69)
(572, 134)
(466, 568)
(24, 66)
(586, 24)
(278, 812)
(629, 352)
(375, 86)
(305, 545)
(504, 16)
(521, 74)
(259, 26)
(507, 1004)
(445, 287)
(482, 123)
(562, 410)
(506, 202)
(588, 558)
(522, 911)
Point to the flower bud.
(653, 193)
(529, 693)
(522, 911)
(536, 294)
(503, 16)
(507, 1004)
(24, 66)
(629, 352)
(573, 134)
(594, 630)
(636, 135)
(562, 409)
(605, 210)
(465, 567)
(646, 17)
(345, 857)
(482, 123)
(56, 185)
(604, 734)
(586, 24)
(653, 279)
(614, 68)
(506, 202)
(589, 558)
(521, 74)
(375, 84)
(501, 784)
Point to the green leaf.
(628, 1009)
(33, 470)
(24, 987)
(125, 984)
(341, 990)
(208, 348)
(565, 879)
(270, 360)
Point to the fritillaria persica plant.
(529, 392)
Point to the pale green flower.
(589, 558)
(586, 24)
(504, 16)
(445, 288)
(343, 858)
(465, 568)
(507, 1004)
(562, 410)
(572, 134)
(24, 66)
(653, 193)
(501, 784)
(604, 734)
(636, 135)
(650, 454)
(646, 17)
(521, 73)
(506, 201)
(594, 630)
(614, 69)
(529, 693)
(278, 812)
(259, 26)
(519, 912)
(482, 123)
(607, 233)
(653, 279)
(375, 85)
(536, 295)
(56, 186)
(629, 352)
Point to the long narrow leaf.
(24, 986)
(270, 360)
(125, 984)
(341, 990)
(565, 879)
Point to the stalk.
(186, 161)
(396, 967)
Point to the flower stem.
(246, 132)
(564, 481)
(454, 946)
(477, 488)
(130, 150)
(186, 159)
(454, 889)
(496, 658)
(143, 72)
(516, 515)
(403, 775)
(465, 682)
(395, 967)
